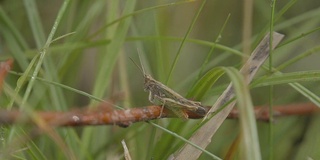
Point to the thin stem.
(184, 40)
(271, 86)
(104, 114)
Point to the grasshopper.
(160, 94)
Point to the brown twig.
(124, 118)
(262, 112)
(104, 114)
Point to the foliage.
(80, 51)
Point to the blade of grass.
(57, 49)
(106, 69)
(56, 84)
(112, 52)
(307, 93)
(275, 19)
(15, 43)
(271, 90)
(161, 56)
(40, 123)
(8, 26)
(297, 58)
(185, 140)
(195, 18)
(299, 37)
(299, 18)
(197, 41)
(284, 78)
(44, 51)
(106, 26)
(90, 13)
(22, 80)
(217, 40)
(205, 83)
(38, 64)
(35, 22)
(250, 140)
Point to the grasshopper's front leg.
(157, 100)
(151, 97)
(160, 100)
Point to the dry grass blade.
(126, 151)
(204, 134)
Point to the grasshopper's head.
(149, 82)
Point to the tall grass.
(78, 52)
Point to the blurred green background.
(99, 37)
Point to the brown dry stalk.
(123, 118)
(105, 115)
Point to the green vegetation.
(79, 55)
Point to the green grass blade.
(106, 26)
(248, 124)
(22, 80)
(184, 40)
(44, 51)
(284, 78)
(217, 40)
(112, 51)
(69, 89)
(8, 26)
(299, 37)
(196, 41)
(35, 22)
(106, 69)
(307, 93)
(15, 43)
(185, 140)
(205, 83)
(297, 58)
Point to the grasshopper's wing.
(179, 112)
(175, 107)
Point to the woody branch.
(105, 115)
(124, 118)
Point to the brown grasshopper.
(160, 94)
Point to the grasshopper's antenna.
(140, 68)
(136, 65)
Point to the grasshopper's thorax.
(149, 83)
(152, 86)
